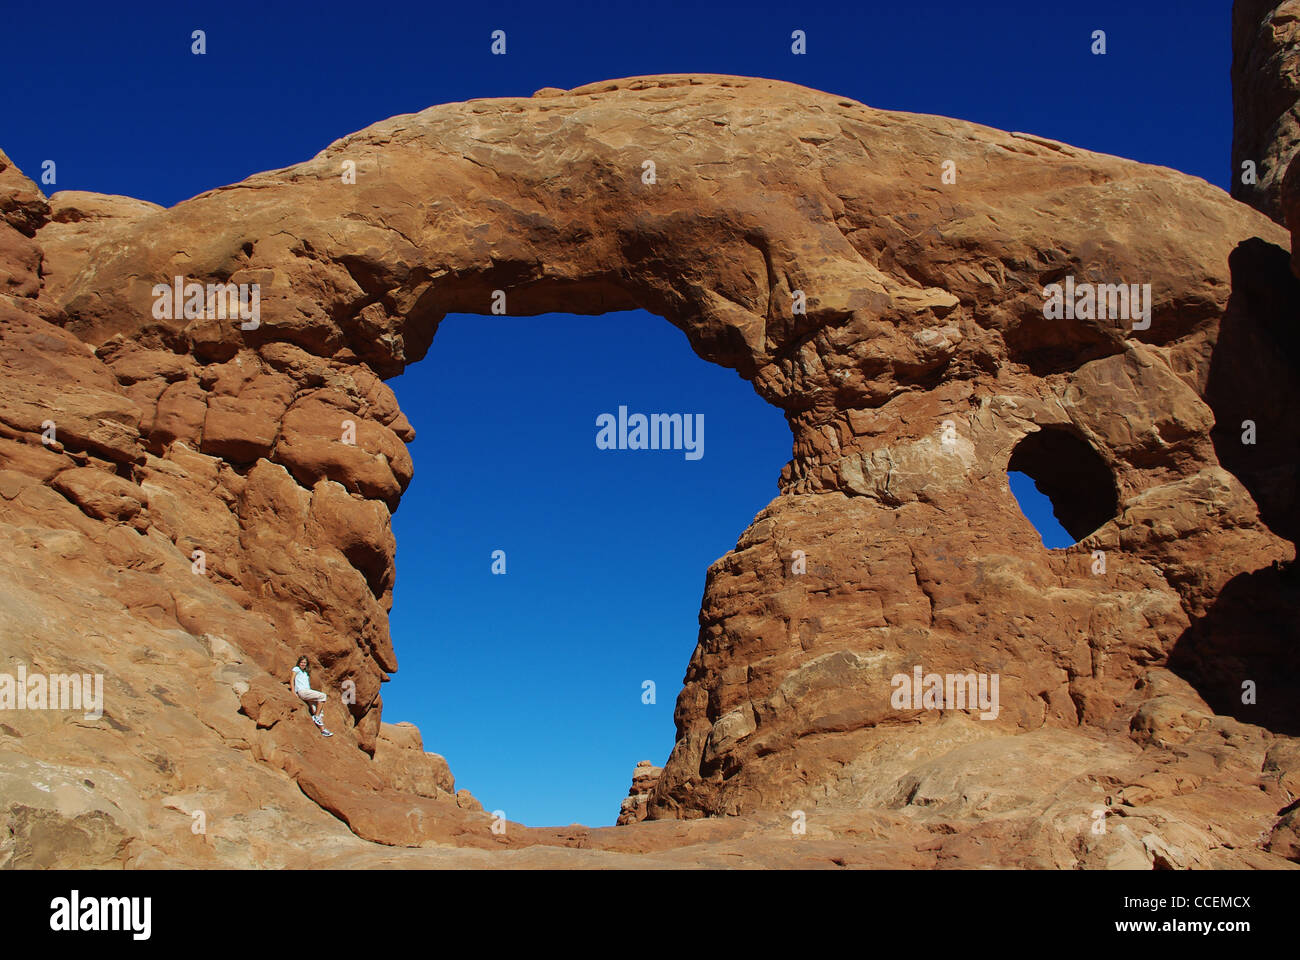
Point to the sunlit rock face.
(215, 495)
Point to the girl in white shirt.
(313, 698)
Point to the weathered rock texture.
(921, 367)
(1266, 98)
(1291, 208)
(644, 780)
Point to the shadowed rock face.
(1265, 98)
(809, 243)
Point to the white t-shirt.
(300, 680)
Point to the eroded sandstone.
(922, 363)
(1265, 100)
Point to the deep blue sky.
(530, 683)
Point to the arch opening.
(531, 681)
(1067, 490)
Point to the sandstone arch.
(924, 304)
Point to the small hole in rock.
(1063, 486)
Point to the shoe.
(325, 733)
(318, 721)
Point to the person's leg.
(320, 717)
(317, 704)
(314, 700)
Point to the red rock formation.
(1265, 98)
(811, 244)
(1290, 199)
(644, 779)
